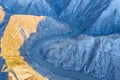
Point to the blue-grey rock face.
(2, 62)
(94, 17)
(65, 42)
(3, 76)
(97, 57)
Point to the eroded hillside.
(12, 40)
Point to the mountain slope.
(88, 16)
(15, 33)
(80, 36)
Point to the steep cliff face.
(108, 22)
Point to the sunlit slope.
(19, 28)
(13, 39)
(2, 14)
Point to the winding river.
(35, 57)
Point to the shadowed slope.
(86, 15)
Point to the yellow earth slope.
(12, 41)
(2, 14)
